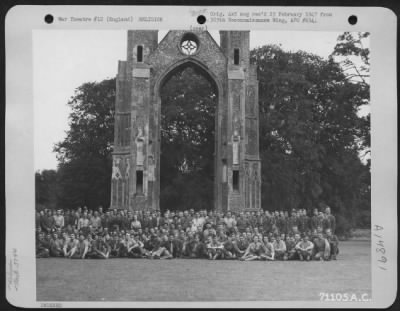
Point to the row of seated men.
(208, 243)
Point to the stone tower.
(136, 155)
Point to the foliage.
(84, 156)
(45, 189)
(311, 134)
(188, 104)
(353, 56)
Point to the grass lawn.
(119, 279)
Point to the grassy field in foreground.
(60, 279)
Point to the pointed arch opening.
(189, 101)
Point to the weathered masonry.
(136, 155)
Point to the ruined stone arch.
(138, 99)
(164, 76)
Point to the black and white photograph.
(202, 165)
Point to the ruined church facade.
(137, 142)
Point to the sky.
(65, 59)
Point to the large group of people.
(262, 235)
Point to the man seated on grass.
(214, 248)
(124, 242)
(69, 246)
(242, 244)
(304, 248)
(229, 249)
(210, 249)
(291, 253)
(134, 249)
(100, 249)
(290, 248)
(254, 250)
(187, 242)
(90, 251)
(333, 244)
(279, 247)
(115, 245)
(81, 248)
(197, 248)
(143, 250)
(178, 245)
(56, 246)
(158, 251)
(321, 248)
(42, 246)
(267, 251)
(173, 245)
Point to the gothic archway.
(137, 130)
(188, 119)
(217, 85)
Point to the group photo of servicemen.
(262, 235)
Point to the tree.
(85, 154)
(45, 189)
(353, 55)
(310, 132)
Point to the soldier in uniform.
(333, 244)
(303, 221)
(230, 249)
(242, 223)
(267, 222)
(100, 249)
(208, 231)
(291, 253)
(292, 222)
(215, 249)
(42, 246)
(322, 248)
(279, 247)
(158, 251)
(254, 250)
(267, 251)
(174, 246)
(242, 244)
(304, 248)
(198, 248)
(329, 220)
(81, 248)
(70, 245)
(56, 246)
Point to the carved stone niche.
(139, 147)
(151, 169)
(235, 147)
